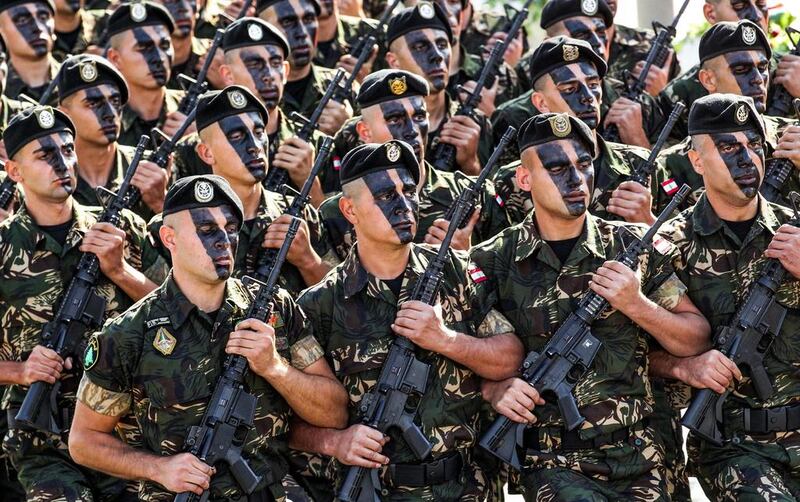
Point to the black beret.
(204, 190)
(373, 157)
(387, 85)
(720, 112)
(423, 15)
(726, 37)
(33, 123)
(250, 31)
(50, 4)
(547, 127)
(560, 51)
(559, 10)
(136, 14)
(84, 71)
(262, 5)
(232, 100)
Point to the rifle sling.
(571, 440)
(434, 472)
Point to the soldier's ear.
(710, 12)
(226, 75)
(523, 173)
(13, 171)
(286, 68)
(205, 153)
(708, 80)
(363, 131)
(167, 236)
(697, 162)
(347, 209)
(538, 101)
(391, 60)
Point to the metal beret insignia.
(255, 32)
(88, 71)
(589, 7)
(237, 99)
(203, 191)
(749, 35)
(426, 10)
(571, 52)
(398, 85)
(560, 125)
(138, 12)
(45, 118)
(392, 152)
(742, 114)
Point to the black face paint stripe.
(584, 101)
(429, 57)
(105, 113)
(300, 34)
(582, 31)
(217, 242)
(247, 148)
(398, 209)
(265, 78)
(152, 55)
(564, 172)
(30, 29)
(740, 161)
(754, 81)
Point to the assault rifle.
(278, 177)
(386, 405)
(197, 86)
(778, 171)
(266, 262)
(567, 355)
(8, 188)
(81, 309)
(659, 51)
(745, 340)
(781, 103)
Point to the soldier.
(568, 79)
(27, 28)
(363, 304)
(337, 34)
(724, 241)
(535, 273)
(138, 362)
(8, 107)
(186, 48)
(734, 58)
(40, 247)
(92, 92)
(75, 28)
(307, 81)
(140, 47)
(232, 126)
(393, 106)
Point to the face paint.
(566, 173)
(151, 52)
(61, 158)
(299, 24)
(580, 88)
(326, 8)
(399, 209)
(73, 5)
(740, 159)
(106, 110)
(219, 243)
(31, 21)
(756, 12)
(183, 14)
(592, 31)
(432, 55)
(751, 71)
(407, 120)
(267, 74)
(249, 145)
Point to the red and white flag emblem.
(499, 200)
(670, 186)
(477, 275)
(337, 163)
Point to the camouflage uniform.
(349, 30)
(15, 86)
(482, 26)
(438, 193)
(9, 107)
(628, 47)
(320, 78)
(350, 311)
(471, 67)
(133, 372)
(614, 165)
(251, 237)
(87, 30)
(35, 269)
(718, 270)
(134, 126)
(619, 455)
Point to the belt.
(765, 420)
(571, 440)
(435, 472)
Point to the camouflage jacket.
(520, 109)
(349, 30)
(86, 36)
(525, 281)
(614, 165)
(320, 78)
(35, 270)
(161, 360)
(134, 126)
(9, 107)
(628, 47)
(251, 237)
(15, 86)
(674, 164)
(437, 195)
(718, 271)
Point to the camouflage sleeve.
(653, 117)
(337, 229)
(316, 304)
(481, 281)
(493, 324)
(493, 219)
(112, 354)
(103, 401)
(303, 347)
(669, 293)
(140, 254)
(662, 285)
(319, 236)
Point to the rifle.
(81, 309)
(778, 171)
(444, 155)
(781, 103)
(277, 176)
(745, 340)
(642, 173)
(473, 192)
(659, 51)
(8, 188)
(567, 355)
(386, 405)
(267, 260)
(198, 86)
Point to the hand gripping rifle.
(567, 355)
(659, 51)
(197, 86)
(277, 176)
(387, 405)
(266, 261)
(778, 171)
(81, 310)
(8, 188)
(781, 103)
(744, 341)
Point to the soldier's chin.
(749, 191)
(223, 271)
(438, 84)
(576, 208)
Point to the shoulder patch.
(91, 353)
(476, 274)
(670, 186)
(275, 320)
(164, 342)
(160, 321)
(662, 245)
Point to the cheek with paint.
(400, 210)
(247, 146)
(183, 14)
(582, 101)
(566, 177)
(33, 30)
(265, 78)
(219, 245)
(152, 56)
(106, 115)
(432, 60)
(741, 162)
(300, 35)
(752, 82)
(582, 31)
(753, 13)
(63, 164)
(400, 125)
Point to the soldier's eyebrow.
(724, 139)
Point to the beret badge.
(571, 53)
(748, 35)
(203, 191)
(45, 118)
(742, 114)
(398, 85)
(254, 32)
(392, 152)
(88, 71)
(426, 10)
(237, 99)
(589, 7)
(560, 125)
(138, 12)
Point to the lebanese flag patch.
(337, 163)
(499, 200)
(477, 275)
(661, 245)
(670, 186)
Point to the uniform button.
(385, 492)
(637, 442)
(736, 440)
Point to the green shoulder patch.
(91, 353)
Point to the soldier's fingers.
(370, 444)
(48, 353)
(721, 374)
(632, 186)
(429, 239)
(713, 385)
(511, 413)
(603, 278)
(279, 226)
(731, 366)
(437, 233)
(621, 203)
(600, 290)
(783, 230)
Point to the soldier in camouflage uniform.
(363, 303)
(186, 49)
(337, 34)
(138, 362)
(40, 247)
(232, 125)
(724, 241)
(307, 81)
(140, 47)
(393, 106)
(75, 28)
(8, 107)
(535, 273)
(568, 80)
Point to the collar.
(82, 221)
(130, 117)
(356, 277)
(706, 221)
(235, 298)
(529, 241)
